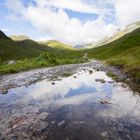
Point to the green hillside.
(28, 54)
(123, 53)
(20, 47)
(120, 33)
(19, 37)
(57, 45)
(11, 50)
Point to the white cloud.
(50, 19)
(127, 11)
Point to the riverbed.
(71, 102)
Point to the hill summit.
(19, 37)
(3, 36)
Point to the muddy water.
(87, 105)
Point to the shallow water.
(88, 105)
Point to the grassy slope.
(19, 37)
(129, 28)
(9, 49)
(123, 53)
(30, 54)
(57, 45)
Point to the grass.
(30, 54)
(46, 59)
(57, 45)
(123, 53)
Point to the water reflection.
(78, 99)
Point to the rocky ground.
(107, 118)
(33, 76)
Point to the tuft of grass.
(112, 75)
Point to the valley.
(52, 91)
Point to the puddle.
(78, 107)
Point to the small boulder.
(61, 123)
(53, 83)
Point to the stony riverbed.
(71, 102)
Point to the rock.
(120, 127)
(105, 102)
(10, 62)
(4, 91)
(124, 85)
(100, 80)
(90, 71)
(97, 69)
(67, 138)
(53, 122)
(53, 83)
(40, 126)
(42, 116)
(104, 134)
(17, 121)
(129, 137)
(78, 122)
(75, 77)
(136, 134)
(60, 124)
(110, 82)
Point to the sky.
(69, 21)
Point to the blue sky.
(15, 26)
(69, 21)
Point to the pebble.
(104, 134)
(60, 124)
(42, 116)
(90, 71)
(136, 135)
(53, 83)
(120, 127)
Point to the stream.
(71, 102)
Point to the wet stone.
(17, 121)
(42, 116)
(53, 83)
(40, 126)
(136, 135)
(100, 80)
(53, 122)
(120, 127)
(90, 71)
(4, 91)
(75, 77)
(105, 102)
(60, 124)
(104, 134)
(73, 109)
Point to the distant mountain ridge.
(123, 53)
(56, 44)
(20, 47)
(19, 37)
(119, 33)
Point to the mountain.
(56, 45)
(20, 49)
(19, 37)
(83, 45)
(3, 36)
(22, 53)
(123, 53)
(119, 33)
